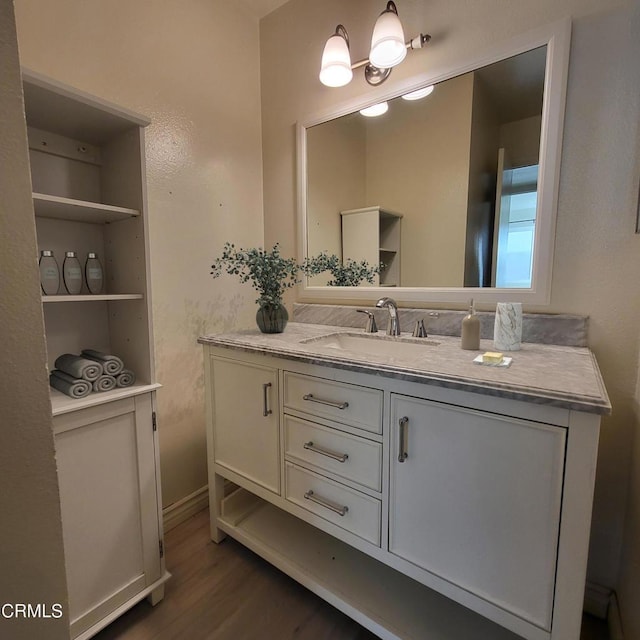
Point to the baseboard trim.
(183, 509)
(613, 619)
(596, 600)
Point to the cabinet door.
(245, 412)
(107, 476)
(476, 501)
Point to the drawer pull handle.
(402, 446)
(310, 495)
(340, 457)
(338, 405)
(265, 399)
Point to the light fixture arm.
(342, 31)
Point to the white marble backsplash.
(560, 329)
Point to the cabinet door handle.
(403, 427)
(332, 403)
(341, 511)
(265, 399)
(340, 457)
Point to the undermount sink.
(373, 344)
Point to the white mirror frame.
(556, 37)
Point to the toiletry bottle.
(72, 273)
(471, 330)
(93, 274)
(49, 273)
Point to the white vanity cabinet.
(87, 161)
(475, 499)
(421, 511)
(246, 396)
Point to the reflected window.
(516, 227)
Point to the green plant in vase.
(269, 273)
(350, 274)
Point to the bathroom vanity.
(422, 494)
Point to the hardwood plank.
(228, 593)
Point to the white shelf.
(47, 206)
(62, 403)
(93, 298)
(381, 599)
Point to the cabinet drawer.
(340, 453)
(334, 502)
(349, 404)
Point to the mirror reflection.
(442, 189)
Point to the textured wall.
(31, 549)
(597, 255)
(629, 579)
(192, 67)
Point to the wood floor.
(225, 592)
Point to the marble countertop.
(566, 377)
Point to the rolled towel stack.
(79, 367)
(125, 378)
(78, 376)
(111, 364)
(74, 387)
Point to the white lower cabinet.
(421, 512)
(107, 460)
(475, 499)
(247, 398)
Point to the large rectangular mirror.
(451, 195)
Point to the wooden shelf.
(93, 298)
(62, 403)
(380, 598)
(47, 206)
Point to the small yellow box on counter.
(492, 357)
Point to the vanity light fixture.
(335, 70)
(419, 93)
(388, 49)
(375, 110)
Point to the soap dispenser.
(471, 330)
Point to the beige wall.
(629, 579)
(522, 139)
(597, 255)
(428, 180)
(31, 549)
(192, 67)
(337, 161)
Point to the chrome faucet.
(393, 328)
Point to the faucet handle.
(419, 330)
(371, 326)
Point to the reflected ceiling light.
(388, 49)
(335, 70)
(375, 110)
(419, 93)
